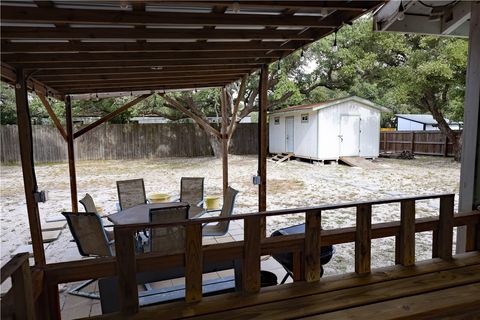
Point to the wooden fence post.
(413, 143)
(193, 262)
(406, 240)
(126, 271)
(363, 238)
(251, 255)
(445, 147)
(443, 238)
(312, 246)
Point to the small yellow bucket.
(212, 202)
(159, 197)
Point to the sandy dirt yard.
(291, 184)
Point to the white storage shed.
(327, 130)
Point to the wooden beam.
(444, 237)
(71, 154)
(312, 246)
(406, 244)
(73, 47)
(120, 90)
(192, 115)
(193, 263)
(110, 115)
(53, 80)
(15, 58)
(67, 33)
(28, 167)
(52, 115)
(111, 17)
(22, 291)
(262, 143)
(251, 256)
(224, 127)
(141, 82)
(129, 64)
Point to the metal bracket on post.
(256, 180)
(41, 196)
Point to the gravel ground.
(290, 184)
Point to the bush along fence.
(125, 141)
(431, 143)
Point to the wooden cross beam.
(52, 115)
(111, 115)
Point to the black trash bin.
(268, 279)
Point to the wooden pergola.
(84, 49)
(78, 49)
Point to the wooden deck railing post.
(312, 246)
(126, 271)
(472, 242)
(443, 238)
(251, 255)
(406, 240)
(363, 238)
(193, 262)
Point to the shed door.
(349, 135)
(289, 134)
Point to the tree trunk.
(216, 145)
(452, 135)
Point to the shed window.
(276, 120)
(305, 118)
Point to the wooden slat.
(19, 47)
(453, 303)
(224, 139)
(193, 263)
(110, 115)
(66, 33)
(444, 238)
(472, 237)
(126, 271)
(131, 56)
(312, 246)
(363, 239)
(12, 265)
(406, 242)
(251, 256)
(262, 144)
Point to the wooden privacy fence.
(125, 141)
(431, 143)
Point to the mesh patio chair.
(168, 240)
(221, 228)
(89, 206)
(92, 241)
(192, 191)
(131, 193)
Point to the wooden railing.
(18, 302)
(305, 247)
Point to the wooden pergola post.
(224, 137)
(470, 170)
(262, 144)
(28, 167)
(71, 153)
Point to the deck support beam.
(470, 171)
(224, 135)
(262, 145)
(71, 154)
(28, 167)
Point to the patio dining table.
(141, 214)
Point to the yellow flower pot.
(159, 197)
(212, 202)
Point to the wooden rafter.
(147, 87)
(110, 115)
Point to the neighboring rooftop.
(424, 119)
